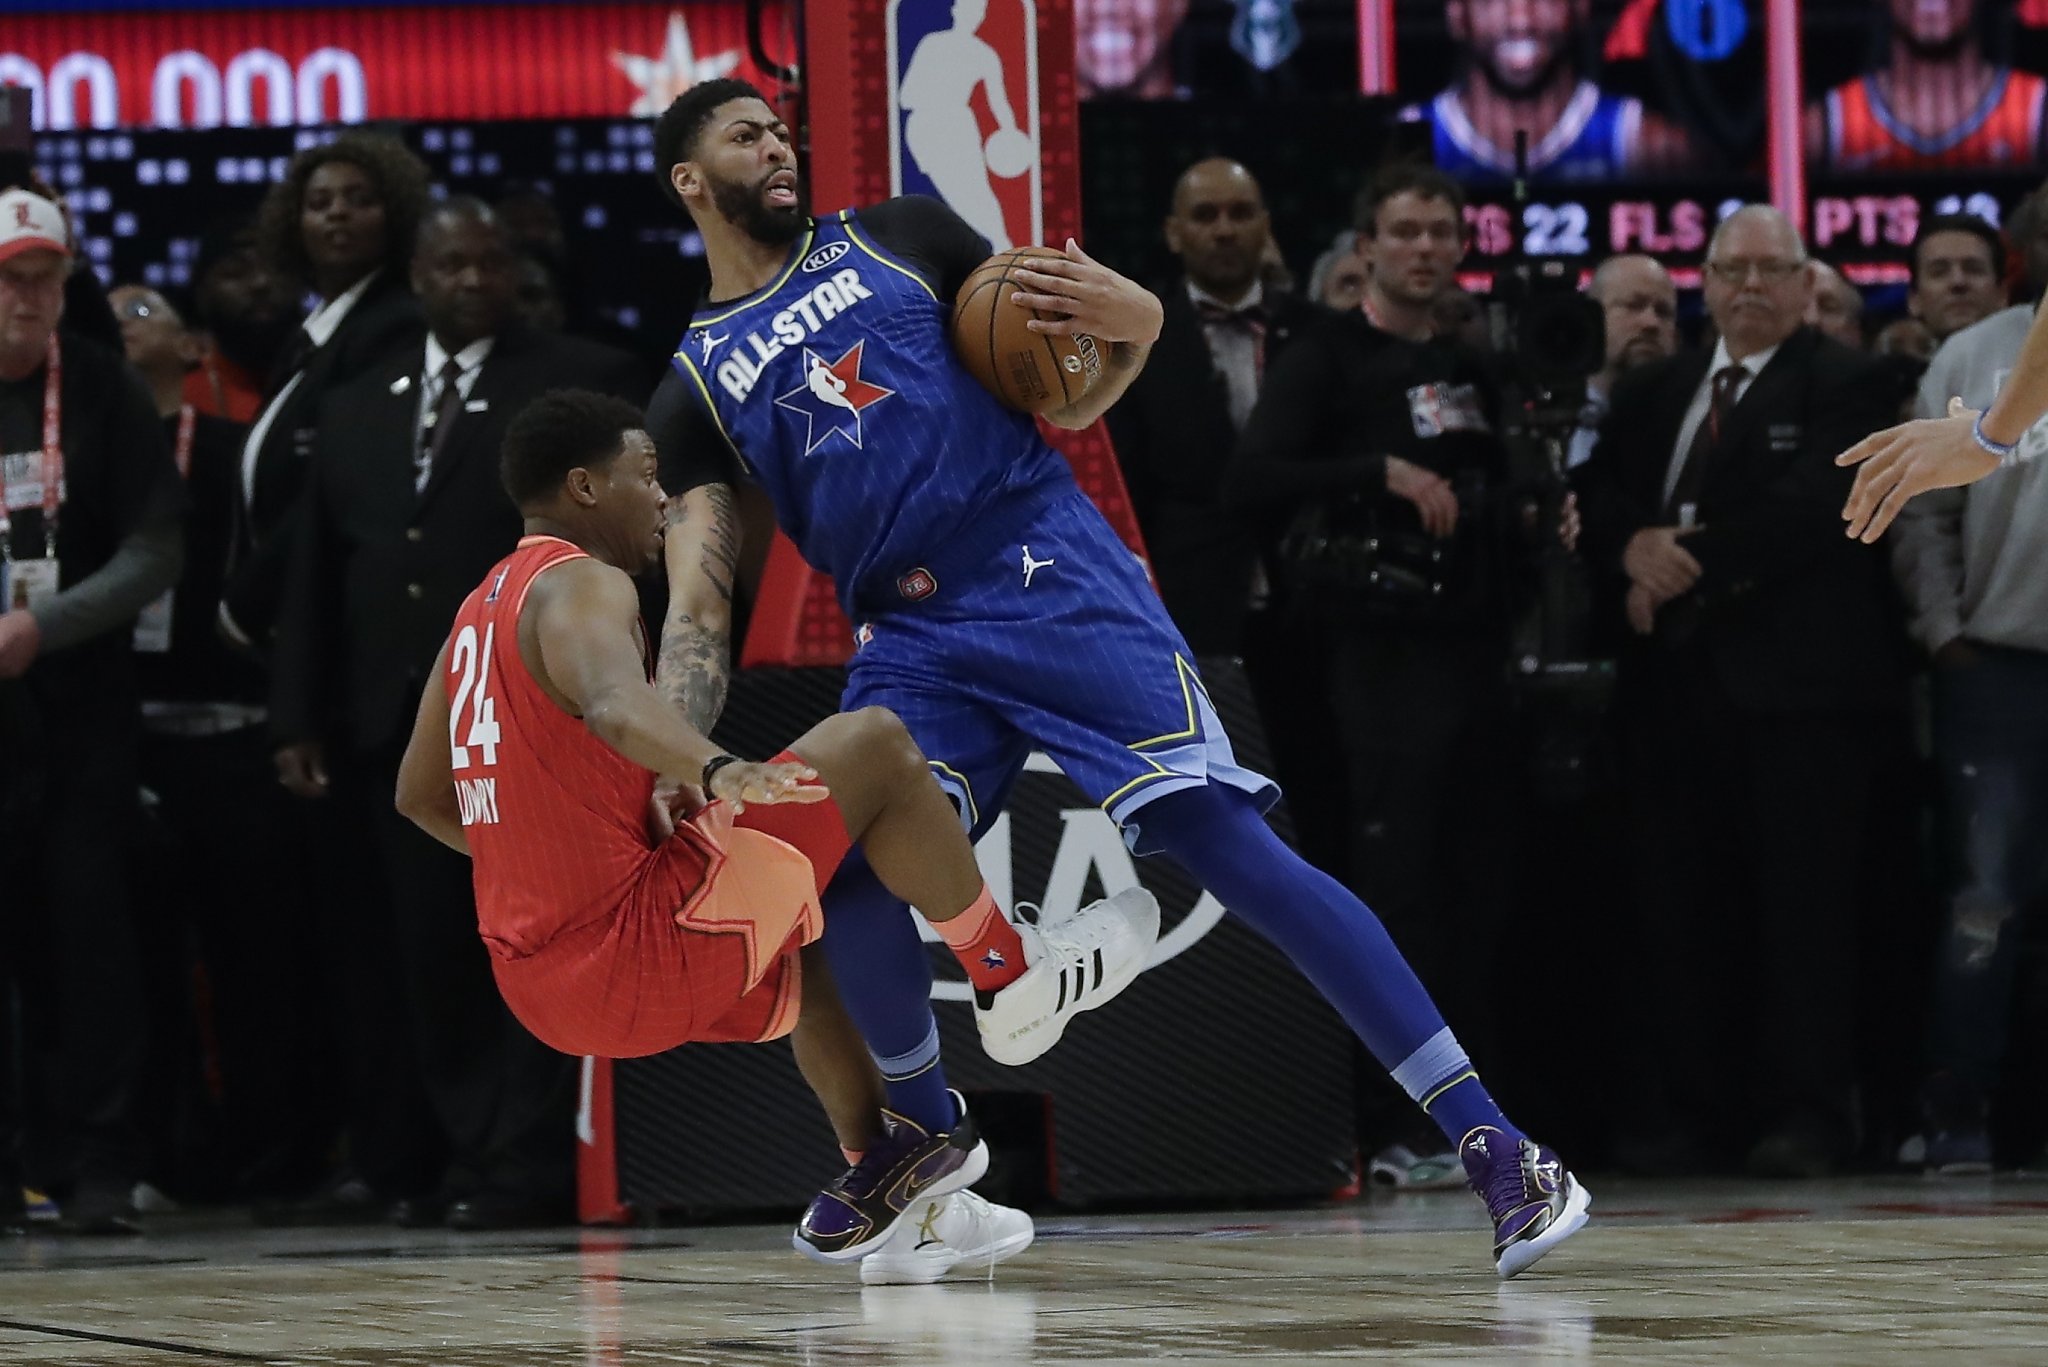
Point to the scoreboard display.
(1864, 227)
(284, 65)
(143, 199)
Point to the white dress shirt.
(319, 326)
(469, 364)
(1234, 350)
(1703, 399)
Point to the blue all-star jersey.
(1594, 139)
(835, 387)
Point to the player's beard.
(744, 206)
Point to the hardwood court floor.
(1841, 1273)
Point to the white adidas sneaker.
(1075, 965)
(960, 1230)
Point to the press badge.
(30, 584)
(153, 627)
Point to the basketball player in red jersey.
(623, 923)
(1937, 104)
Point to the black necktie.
(434, 435)
(1693, 474)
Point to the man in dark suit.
(1761, 656)
(1174, 430)
(402, 516)
(342, 223)
(1175, 427)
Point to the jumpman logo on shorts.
(1032, 567)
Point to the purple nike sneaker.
(907, 1166)
(1536, 1205)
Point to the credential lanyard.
(188, 422)
(53, 458)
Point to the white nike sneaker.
(1075, 965)
(960, 1230)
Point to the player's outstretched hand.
(1091, 297)
(765, 784)
(1904, 461)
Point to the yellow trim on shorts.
(742, 305)
(966, 790)
(846, 222)
(1190, 684)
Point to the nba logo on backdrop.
(963, 111)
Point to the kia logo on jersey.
(825, 256)
(963, 111)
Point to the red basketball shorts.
(704, 949)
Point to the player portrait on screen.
(1937, 103)
(1522, 69)
(1125, 47)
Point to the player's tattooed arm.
(702, 552)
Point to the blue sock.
(1219, 837)
(885, 981)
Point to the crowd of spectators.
(1769, 844)
(259, 985)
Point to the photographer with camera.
(1759, 679)
(1379, 441)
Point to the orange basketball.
(1029, 371)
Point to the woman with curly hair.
(340, 224)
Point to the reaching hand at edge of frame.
(1905, 461)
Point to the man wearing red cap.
(89, 509)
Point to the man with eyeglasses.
(215, 874)
(1760, 673)
(1639, 305)
(89, 512)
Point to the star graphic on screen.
(673, 70)
(832, 397)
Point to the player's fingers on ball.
(1051, 327)
(1053, 282)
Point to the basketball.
(1029, 371)
(1009, 153)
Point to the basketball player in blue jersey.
(996, 610)
(1522, 73)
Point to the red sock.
(985, 943)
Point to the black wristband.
(712, 766)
